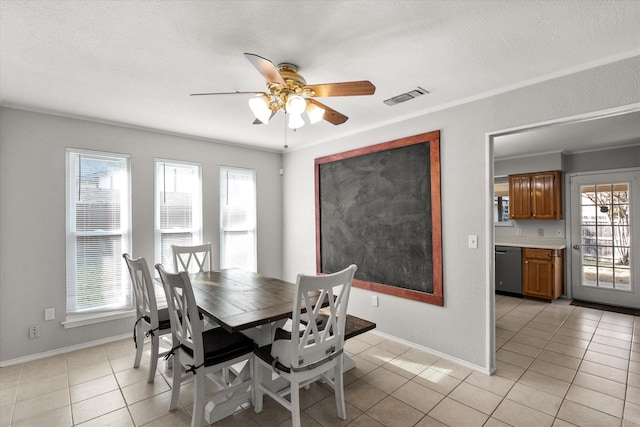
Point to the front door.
(604, 234)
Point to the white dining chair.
(313, 348)
(150, 322)
(207, 355)
(192, 259)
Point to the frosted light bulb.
(260, 108)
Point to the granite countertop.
(531, 242)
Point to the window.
(98, 232)
(178, 208)
(606, 236)
(238, 218)
(501, 201)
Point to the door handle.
(576, 246)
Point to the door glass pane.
(606, 236)
(605, 256)
(622, 279)
(621, 236)
(622, 256)
(605, 277)
(621, 193)
(589, 269)
(588, 195)
(603, 192)
(620, 214)
(589, 277)
(589, 235)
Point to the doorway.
(604, 227)
(592, 131)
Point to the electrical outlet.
(49, 313)
(540, 232)
(558, 233)
(34, 331)
(519, 231)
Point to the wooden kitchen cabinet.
(542, 273)
(520, 196)
(535, 195)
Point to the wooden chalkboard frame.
(433, 138)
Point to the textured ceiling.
(135, 62)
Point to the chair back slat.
(145, 297)
(193, 259)
(186, 325)
(317, 331)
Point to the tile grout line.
(599, 321)
(555, 417)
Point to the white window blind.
(238, 218)
(178, 208)
(98, 232)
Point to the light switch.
(473, 241)
(49, 313)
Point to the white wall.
(620, 158)
(526, 164)
(460, 329)
(32, 215)
(32, 230)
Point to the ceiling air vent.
(406, 96)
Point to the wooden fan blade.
(362, 87)
(227, 93)
(266, 68)
(330, 115)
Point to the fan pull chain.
(285, 130)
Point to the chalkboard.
(379, 208)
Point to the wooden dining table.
(239, 300)
(255, 305)
(247, 302)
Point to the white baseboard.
(69, 349)
(58, 351)
(475, 367)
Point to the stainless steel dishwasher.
(508, 270)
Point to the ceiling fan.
(288, 91)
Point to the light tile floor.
(558, 365)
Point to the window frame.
(196, 229)
(253, 231)
(76, 316)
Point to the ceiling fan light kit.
(295, 121)
(296, 104)
(260, 108)
(287, 90)
(314, 113)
